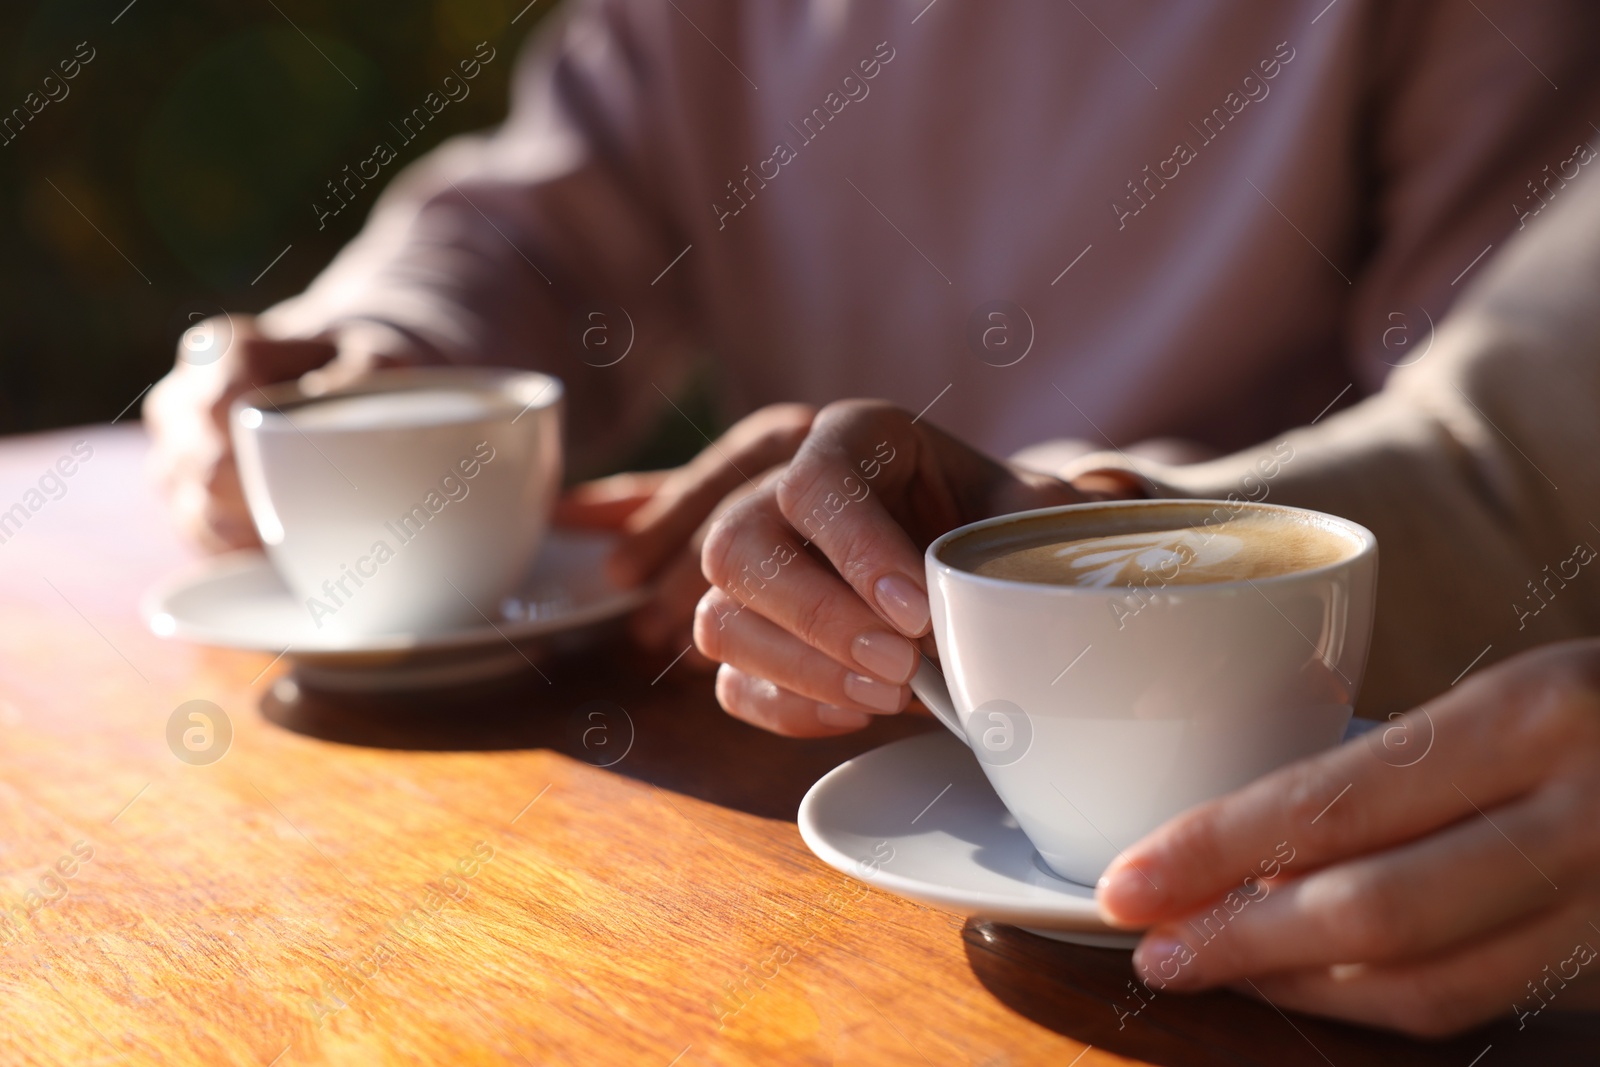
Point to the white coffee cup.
(413, 501)
(1099, 713)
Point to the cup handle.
(929, 685)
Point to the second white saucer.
(239, 601)
(918, 818)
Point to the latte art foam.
(1253, 546)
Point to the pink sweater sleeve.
(536, 244)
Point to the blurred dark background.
(186, 154)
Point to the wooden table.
(453, 880)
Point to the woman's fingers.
(224, 513)
(604, 504)
(827, 496)
(669, 616)
(1479, 746)
(761, 703)
(866, 488)
(670, 612)
(211, 514)
(363, 346)
(253, 361)
(663, 526)
(186, 413)
(1393, 905)
(1421, 886)
(1508, 973)
(754, 557)
(871, 485)
(724, 630)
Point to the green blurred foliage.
(181, 159)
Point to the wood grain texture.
(452, 879)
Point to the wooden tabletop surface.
(455, 880)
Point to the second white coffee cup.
(411, 502)
(1099, 713)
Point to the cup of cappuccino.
(412, 501)
(1112, 664)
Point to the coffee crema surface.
(1248, 547)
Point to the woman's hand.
(664, 515)
(1438, 873)
(827, 558)
(191, 452)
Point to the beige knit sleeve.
(1477, 466)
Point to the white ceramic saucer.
(237, 600)
(919, 819)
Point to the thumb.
(607, 502)
(365, 347)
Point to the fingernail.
(1166, 960)
(871, 692)
(887, 655)
(1127, 893)
(904, 602)
(848, 718)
